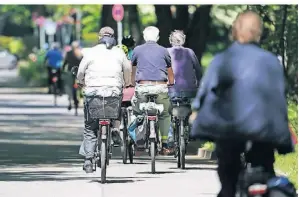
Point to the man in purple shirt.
(152, 73)
(186, 68)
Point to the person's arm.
(196, 66)
(127, 70)
(65, 62)
(134, 67)
(169, 68)
(81, 70)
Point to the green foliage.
(147, 15)
(209, 146)
(34, 73)
(293, 115)
(13, 45)
(91, 18)
(19, 14)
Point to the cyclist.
(53, 60)
(129, 42)
(243, 92)
(124, 48)
(104, 70)
(186, 68)
(73, 58)
(153, 65)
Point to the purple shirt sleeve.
(134, 57)
(167, 59)
(196, 66)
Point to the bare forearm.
(170, 76)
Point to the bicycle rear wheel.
(55, 94)
(182, 144)
(131, 152)
(153, 148)
(177, 143)
(103, 157)
(124, 147)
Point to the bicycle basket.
(103, 107)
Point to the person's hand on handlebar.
(170, 85)
(130, 86)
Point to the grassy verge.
(288, 165)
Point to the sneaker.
(87, 167)
(117, 141)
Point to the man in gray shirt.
(153, 73)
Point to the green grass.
(288, 165)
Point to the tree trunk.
(182, 18)
(107, 19)
(199, 30)
(164, 23)
(134, 23)
(282, 39)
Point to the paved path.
(39, 157)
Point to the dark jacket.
(242, 97)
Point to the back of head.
(247, 27)
(151, 33)
(75, 45)
(128, 41)
(55, 45)
(106, 36)
(106, 31)
(177, 38)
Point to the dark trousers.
(50, 77)
(229, 163)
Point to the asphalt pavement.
(39, 146)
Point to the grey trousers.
(91, 128)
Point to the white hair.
(151, 33)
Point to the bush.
(34, 72)
(13, 45)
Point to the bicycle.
(106, 110)
(54, 85)
(151, 111)
(255, 182)
(181, 110)
(75, 95)
(127, 149)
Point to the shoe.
(69, 107)
(87, 167)
(117, 141)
